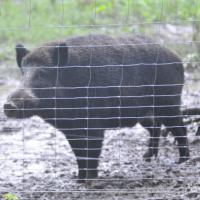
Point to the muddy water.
(37, 163)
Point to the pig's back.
(116, 78)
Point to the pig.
(85, 85)
(187, 112)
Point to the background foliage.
(36, 21)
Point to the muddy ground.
(37, 163)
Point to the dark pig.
(85, 85)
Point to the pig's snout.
(20, 104)
(10, 109)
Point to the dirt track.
(37, 162)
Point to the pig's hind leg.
(154, 129)
(176, 126)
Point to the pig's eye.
(42, 79)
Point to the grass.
(10, 196)
(35, 21)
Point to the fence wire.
(55, 116)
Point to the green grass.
(10, 196)
(37, 21)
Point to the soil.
(37, 162)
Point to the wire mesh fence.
(102, 111)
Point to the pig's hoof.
(147, 157)
(87, 176)
(183, 159)
(83, 180)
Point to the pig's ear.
(21, 51)
(60, 57)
